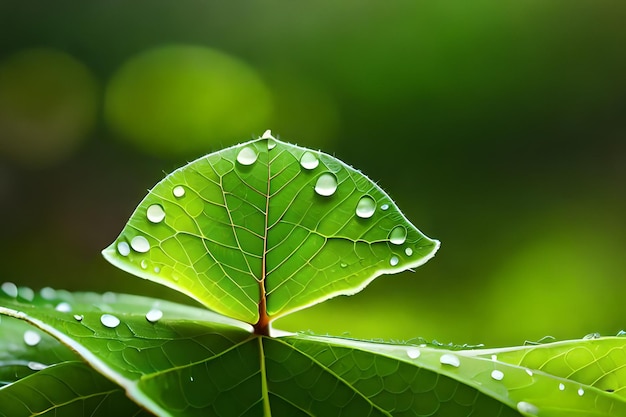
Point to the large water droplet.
(26, 293)
(497, 375)
(524, 407)
(123, 248)
(397, 236)
(109, 320)
(9, 289)
(63, 307)
(36, 366)
(140, 244)
(32, 338)
(48, 293)
(154, 315)
(247, 156)
(450, 359)
(366, 207)
(178, 191)
(394, 261)
(309, 160)
(155, 213)
(326, 184)
(413, 353)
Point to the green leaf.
(67, 389)
(265, 228)
(192, 362)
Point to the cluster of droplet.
(60, 299)
(326, 185)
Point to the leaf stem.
(262, 326)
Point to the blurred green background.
(498, 127)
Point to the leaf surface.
(265, 228)
(192, 362)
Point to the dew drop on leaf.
(309, 160)
(343, 265)
(384, 207)
(247, 156)
(36, 366)
(529, 372)
(413, 353)
(581, 392)
(123, 248)
(178, 191)
(140, 244)
(524, 407)
(394, 261)
(48, 293)
(26, 293)
(32, 338)
(366, 207)
(109, 320)
(156, 269)
(155, 213)
(561, 387)
(154, 315)
(450, 359)
(9, 289)
(144, 264)
(326, 184)
(397, 236)
(408, 251)
(78, 317)
(63, 307)
(497, 375)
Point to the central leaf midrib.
(262, 325)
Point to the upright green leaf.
(265, 228)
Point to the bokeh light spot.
(181, 99)
(48, 104)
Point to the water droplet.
(271, 144)
(26, 293)
(529, 372)
(190, 379)
(48, 293)
(326, 184)
(178, 191)
(140, 244)
(156, 269)
(343, 265)
(494, 357)
(267, 134)
(144, 264)
(36, 366)
(9, 289)
(408, 251)
(366, 207)
(123, 248)
(497, 375)
(155, 213)
(32, 338)
(561, 387)
(524, 407)
(78, 317)
(63, 307)
(109, 320)
(581, 392)
(450, 359)
(154, 315)
(413, 353)
(394, 261)
(309, 160)
(384, 207)
(397, 236)
(592, 336)
(247, 156)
